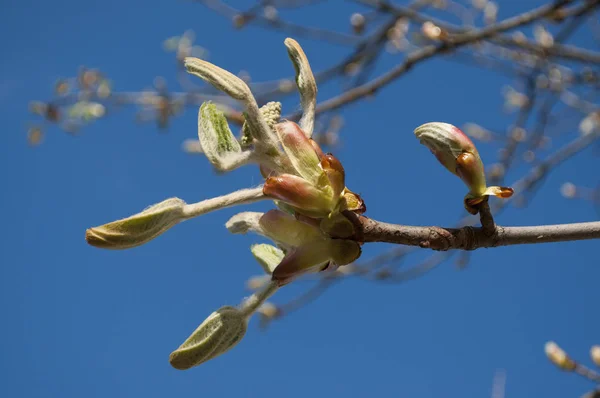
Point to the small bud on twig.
(558, 357)
(595, 354)
(357, 21)
(456, 152)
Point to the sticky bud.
(220, 332)
(447, 143)
(335, 172)
(558, 357)
(139, 228)
(455, 151)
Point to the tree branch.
(428, 52)
(471, 238)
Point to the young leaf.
(139, 228)
(218, 142)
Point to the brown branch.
(278, 23)
(428, 52)
(556, 50)
(471, 238)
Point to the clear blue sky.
(82, 322)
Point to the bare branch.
(428, 52)
(471, 238)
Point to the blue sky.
(79, 321)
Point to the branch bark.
(471, 238)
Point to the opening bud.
(220, 78)
(456, 152)
(216, 139)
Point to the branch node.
(440, 239)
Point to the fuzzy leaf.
(268, 256)
(306, 83)
(219, 78)
(216, 139)
(139, 228)
(220, 332)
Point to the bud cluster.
(313, 228)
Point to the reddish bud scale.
(317, 149)
(299, 151)
(335, 173)
(354, 202)
(505, 192)
(470, 169)
(297, 192)
(464, 140)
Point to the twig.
(428, 52)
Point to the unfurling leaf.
(220, 332)
(216, 139)
(139, 228)
(315, 256)
(286, 230)
(219, 78)
(306, 83)
(268, 256)
(244, 222)
(237, 89)
(310, 257)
